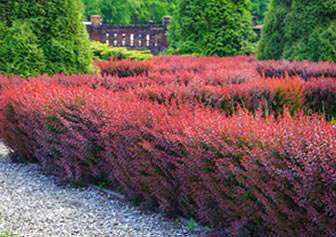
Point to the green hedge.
(103, 51)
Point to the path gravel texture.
(35, 205)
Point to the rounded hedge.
(58, 32)
(299, 30)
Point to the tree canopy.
(141, 11)
(130, 11)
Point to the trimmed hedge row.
(160, 134)
(269, 96)
(223, 83)
(271, 177)
(103, 51)
(123, 68)
(306, 70)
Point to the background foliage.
(130, 11)
(49, 34)
(141, 11)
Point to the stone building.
(149, 36)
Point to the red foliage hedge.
(306, 70)
(276, 177)
(123, 68)
(222, 83)
(157, 130)
(270, 96)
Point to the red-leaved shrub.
(270, 96)
(306, 70)
(123, 68)
(320, 96)
(273, 176)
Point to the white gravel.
(34, 205)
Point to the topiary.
(59, 31)
(213, 27)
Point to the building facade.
(137, 37)
(149, 36)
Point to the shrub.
(226, 84)
(271, 176)
(306, 70)
(123, 68)
(103, 51)
(57, 32)
(270, 96)
(320, 97)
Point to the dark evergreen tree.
(310, 31)
(213, 27)
(57, 26)
(300, 30)
(272, 40)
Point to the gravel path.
(34, 205)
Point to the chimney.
(165, 21)
(96, 20)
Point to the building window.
(140, 40)
(115, 40)
(107, 38)
(147, 40)
(123, 41)
(156, 44)
(132, 39)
